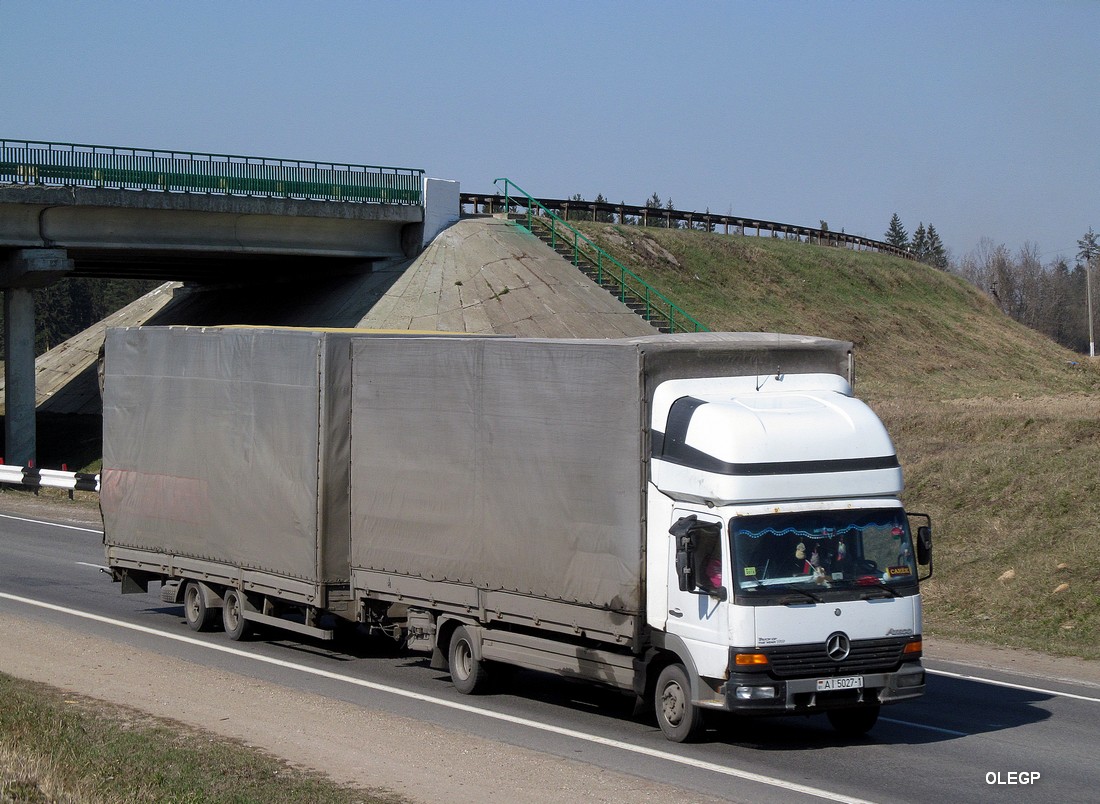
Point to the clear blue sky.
(982, 118)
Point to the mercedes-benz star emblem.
(838, 646)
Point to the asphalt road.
(976, 735)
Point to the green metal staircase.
(597, 264)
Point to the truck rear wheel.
(678, 717)
(853, 722)
(468, 673)
(236, 626)
(199, 617)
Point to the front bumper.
(759, 694)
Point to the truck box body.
(513, 466)
(227, 451)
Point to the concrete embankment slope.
(489, 276)
(481, 276)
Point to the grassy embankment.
(997, 431)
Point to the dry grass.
(62, 748)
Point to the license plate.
(845, 683)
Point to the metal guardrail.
(103, 166)
(34, 478)
(656, 306)
(645, 216)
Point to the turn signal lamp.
(914, 648)
(750, 659)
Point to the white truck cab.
(792, 579)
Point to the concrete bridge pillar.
(22, 272)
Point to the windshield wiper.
(786, 588)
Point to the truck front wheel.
(199, 617)
(468, 673)
(678, 717)
(853, 722)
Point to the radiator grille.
(866, 656)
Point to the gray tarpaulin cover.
(519, 464)
(218, 443)
(509, 464)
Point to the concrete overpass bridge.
(205, 219)
(271, 242)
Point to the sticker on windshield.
(750, 571)
(895, 572)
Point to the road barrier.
(661, 217)
(109, 166)
(35, 478)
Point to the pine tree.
(896, 235)
(919, 246)
(937, 253)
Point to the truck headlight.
(754, 693)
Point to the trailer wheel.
(853, 722)
(678, 717)
(195, 611)
(468, 673)
(236, 626)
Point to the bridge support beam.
(20, 274)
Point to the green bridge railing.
(101, 166)
(628, 286)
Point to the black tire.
(233, 621)
(853, 722)
(199, 617)
(679, 718)
(468, 673)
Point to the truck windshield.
(823, 554)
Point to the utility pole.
(1088, 292)
(1089, 251)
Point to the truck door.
(696, 609)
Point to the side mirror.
(924, 545)
(696, 543)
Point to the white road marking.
(1011, 686)
(51, 524)
(952, 732)
(416, 696)
(93, 566)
